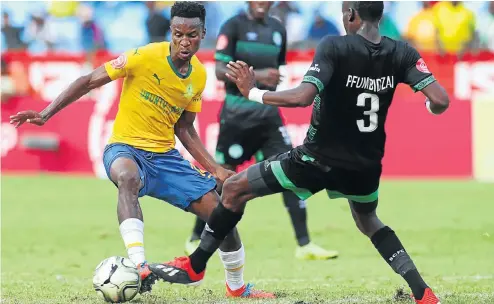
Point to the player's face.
(351, 20)
(259, 9)
(187, 34)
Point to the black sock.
(298, 215)
(393, 252)
(199, 259)
(198, 228)
(220, 223)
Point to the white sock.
(234, 267)
(132, 231)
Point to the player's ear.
(203, 34)
(352, 15)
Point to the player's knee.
(128, 181)
(232, 190)
(368, 223)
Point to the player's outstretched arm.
(185, 131)
(243, 76)
(437, 98)
(74, 91)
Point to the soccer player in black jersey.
(249, 128)
(351, 84)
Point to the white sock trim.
(234, 267)
(132, 231)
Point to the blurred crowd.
(72, 26)
(86, 27)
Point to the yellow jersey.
(422, 30)
(455, 25)
(154, 95)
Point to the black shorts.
(305, 176)
(237, 144)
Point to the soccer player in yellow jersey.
(161, 95)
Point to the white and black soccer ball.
(116, 280)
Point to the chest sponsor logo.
(161, 102)
(251, 36)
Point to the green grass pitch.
(56, 229)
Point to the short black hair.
(369, 10)
(189, 9)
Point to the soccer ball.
(116, 280)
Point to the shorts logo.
(277, 39)
(235, 151)
(119, 62)
(222, 42)
(267, 163)
(421, 66)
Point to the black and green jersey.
(259, 44)
(356, 80)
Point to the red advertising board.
(419, 144)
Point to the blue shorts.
(165, 176)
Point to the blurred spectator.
(40, 34)
(213, 19)
(7, 83)
(486, 28)
(91, 35)
(12, 34)
(421, 30)
(456, 27)
(289, 15)
(63, 8)
(281, 11)
(156, 24)
(14, 81)
(322, 27)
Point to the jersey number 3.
(372, 113)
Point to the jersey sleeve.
(321, 70)
(227, 40)
(416, 73)
(123, 65)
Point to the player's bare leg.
(193, 242)
(125, 174)
(391, 249)
(191, 270)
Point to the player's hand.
(221, 176)
(30, 116)
(242, 75)
(269, 77)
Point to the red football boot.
(178, 271)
